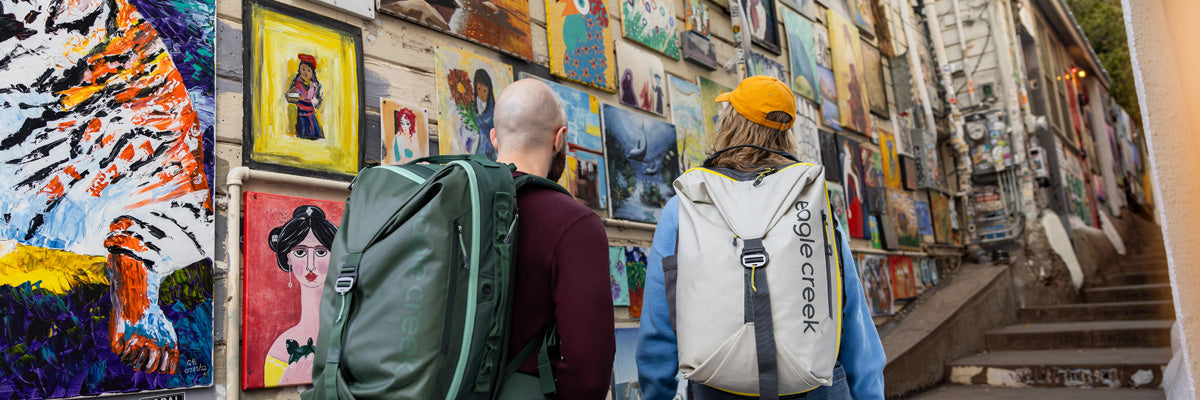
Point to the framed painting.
(801, 56)
(405, 131)
(106, 240)
(903, 212)
(830, 116)
(287, 242)
(877, 284)
(698, 50)
(850, 79)
(303, 92)
(689, 122)
(652, 24)
(643, 160)
(829, 156)
(585, 172)
(581, 43)
(808, 144)
(762, 64)
(891, 162)
(498, 24)
(873, 183)
(763, 26)
(467, 87)
(924, 221)
(635, 271)
(876, 91)
(852, 181)
(617, 279)
(837, 203)
(709, 90)
(642, 79)
(939, 206)
(904, 281)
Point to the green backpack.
(417, 300)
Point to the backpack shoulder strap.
(535, 181)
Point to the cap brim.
(723, 97)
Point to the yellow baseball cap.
(757, 96)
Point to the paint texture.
(581, 43)
(651, 23)
(500, 24)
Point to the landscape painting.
(405, 131)
(467, 87)
(642, 79)
(904, 217)
(581, 43)
(689, 122)
(499, 24)
(643, 161)
(877, 284)
(651, 23)
(801, 56)
(850, 77)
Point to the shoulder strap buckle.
(754, 255)
(346, 277)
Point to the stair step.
(1147, 292)
(1129, 310)
(1073, 335)
(1077, 368)
(956, 392)
(1137, 278)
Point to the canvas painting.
(903, 211)
(287, 246)
(651, 23)
(689, 122)
(467, 87)
(939, 205)
(709, 90)
(585, 172)
(617, 278)
(829, 156)
(806, 7)
(876, 239)
(625, 373)
(303, 92)
(850, 77)
(642, 79)
(643, 161)
(763, 26)
(762, 64)
(499, 24)
(581, 43)
(891, 163)
(904, 281)
(924, 222)
(908, 172)
(888, 230)
(635, 271)
(864, 16)
(872, 167)
(876, 91)
(106, 240)
(852, 181)
(698, 50)
(837, 203)
(801, 56)
(830, 116)
(821, 48)
(929, 272)
(877, 284)
(808, 144)
(695, 17)
(405, 132)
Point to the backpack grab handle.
(446, 159)
(708, 161)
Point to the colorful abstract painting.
(499, 24)
(303, 91)
(873, 183)
(585, 171)
(904, 280)
(924, 223)
(830, 116)
(876, 92)
(581, 43)
(829, 156)
(939, 206)
(287, 241)
(709, 90)
(850, 77)
(837, 202)
(762, 64)
(852, 181)
(106, 240)
(467, 88)
(643, 161)
(763, 26)
(801, 55)
(625, 384)
(635, 270)
(405, 131)
(877, 284)
(903, 212)
(642, 79)
(804, 130)
(689, 122)
(651, 23)
(891, 162)
(617, 278)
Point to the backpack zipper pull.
(462, 245)
(511, 226)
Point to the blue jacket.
(861, 353)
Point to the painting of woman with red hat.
(305, 93)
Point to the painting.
(939, 206)
(891, 163)
(830, 116)
(808, 8)
(625, 373)
(829, 156)
(864, 16)
(642, 79)
(808, 144)
(698, 50)
(842, 7)
(651, 23)
(924, 223)
(904, 281)
(877, 284)
(106, 240)
(873, 184)
(763, 28)
(689, 122)
(837, 203)
(695, 17)
(762, 64)
(287, 246)
(585, 173)
(876, 239)
(581, 43)
(635, 271)
(708, 103)
(467, 87)
(643, 161)
(405, 131)
(873, 69)
(617, 278)
(821, 48)
(801, 56)
(903, 212)
(850, 77)
(908, 172)
(303, 92)
(928, 271)
(498, 24)
(856, 202)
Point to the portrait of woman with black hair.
(485, 107)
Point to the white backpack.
(755, 286)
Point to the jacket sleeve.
(583, 311)
(861, 352)
(657, 352)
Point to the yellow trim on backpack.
(837, 259)
(702, 169)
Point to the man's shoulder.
(550, 203)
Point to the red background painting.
(904, 282)
(269, 306)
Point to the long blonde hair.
(736, 129)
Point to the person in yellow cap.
(750, 177)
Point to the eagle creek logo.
(803, 228)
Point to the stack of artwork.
(697, 46)
(643, 161)
(467, 86)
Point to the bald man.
(562, 251)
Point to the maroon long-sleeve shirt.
(562, 277)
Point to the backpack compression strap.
(758, 311)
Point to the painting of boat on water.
(643, 160)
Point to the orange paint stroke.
(129, 281)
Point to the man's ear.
(559, 138)
(492, 138)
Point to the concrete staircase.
(1113, 345)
